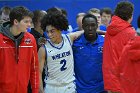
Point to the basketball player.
(58, 55)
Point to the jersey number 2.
(64, 64)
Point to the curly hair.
(124, 10)
(57, 19)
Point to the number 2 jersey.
(60, 63)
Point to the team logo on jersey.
(27, 41)
(81, 47)
(5, 41)
(100, 49)
(50, 51)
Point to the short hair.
(93, 10)
(89, 15)
(38, 15)
(19, 12)
(57, 19)
(80, 14)
(124, 10)
(7, 9)
(106, 10)
(138, 21)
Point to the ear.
(16, 22)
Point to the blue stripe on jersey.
(69, 40)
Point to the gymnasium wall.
(72, 6)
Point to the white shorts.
(66, 88)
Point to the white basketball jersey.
(60, 63)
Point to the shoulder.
(41, 51)
(101, 38)
(28, 35)
(67, 38)
(78, 41)
(129, 32)
(130, 29)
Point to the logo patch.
(100, 49)
(27, 41)
(50, 51)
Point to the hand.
(41, 41)
(101, 32)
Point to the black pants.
(104, 92)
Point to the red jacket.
(18, 65)
(129, 67)
(117, 36)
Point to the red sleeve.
(34, 70)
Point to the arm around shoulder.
(75, 35)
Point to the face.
(53, 33)
(24, 24)
(79, 22)
(4, 16)
(90, 26)
(106, 18)
(98, 16)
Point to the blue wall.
(72, 6)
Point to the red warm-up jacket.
(129, 67)
(18, 62)
(117, 36)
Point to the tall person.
(119, 32)
(87, 51)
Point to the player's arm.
(41, 57)
(75, 35)
(100, 32)
(34, 75)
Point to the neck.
(129, 21)
(58, 40)
(91, 38)
(14, 31)
(106, 24)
